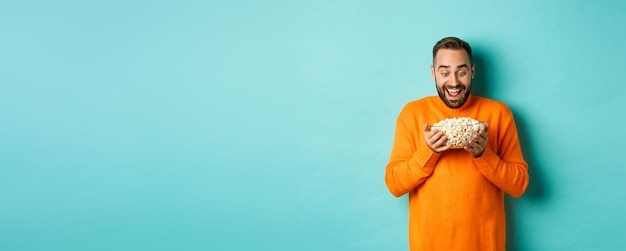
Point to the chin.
(455, 105)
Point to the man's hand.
(478, 143)
(435, 139)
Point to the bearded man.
(456, 195)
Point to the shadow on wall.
(480, 83)
(482, 86)
(536, 190)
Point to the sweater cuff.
(487, 161)
(426, 159)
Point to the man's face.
(453, 73)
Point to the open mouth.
(454, 94)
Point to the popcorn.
(459, 130)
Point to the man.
(456, 196)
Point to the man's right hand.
(435, 139)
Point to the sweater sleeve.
(411, 162)
(505, 167)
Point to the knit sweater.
(456, 201)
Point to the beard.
(457, 103)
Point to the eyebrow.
(447, 66)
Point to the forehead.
(451, 57)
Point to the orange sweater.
(456, 202)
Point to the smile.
(453, 93)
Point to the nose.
(455, 80)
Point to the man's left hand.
(478, 143)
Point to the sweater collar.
(456, 111)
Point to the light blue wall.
(267, 125)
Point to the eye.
(462, 73)
(444, 74)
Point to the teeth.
(453, 91)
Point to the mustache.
(460, 87)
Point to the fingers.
(444, 147)
(439, 145)
(478, 143)
(438, 140)
(479, 139)
(435, 139)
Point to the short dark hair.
(452, 43)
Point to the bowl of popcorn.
(459, 131)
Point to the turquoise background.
(267, 125)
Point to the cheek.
(440, 82)
(466, 80)
(443, 82)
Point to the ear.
(432, 71)
(473, 70)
